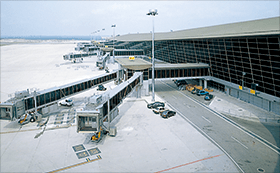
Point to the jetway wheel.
(32, 119)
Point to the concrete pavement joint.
(260, 139)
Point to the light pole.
(153, 12)
(113, 26)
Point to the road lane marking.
(239, 142)
(174, 97)
(188, 163)
(206, 119)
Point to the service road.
(249, 153)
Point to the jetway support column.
(35, 101)
(205, 83)
(200, 82)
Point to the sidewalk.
(234, 107)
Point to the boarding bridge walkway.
(163, 70)
(26, 102)
(92, 117)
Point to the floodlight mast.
(113, 26)
(153, 12)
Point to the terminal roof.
(136, 64)
(141, 64)
(268, 26)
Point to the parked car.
(155, 105)
(182, 87)
(101, 88)
(180, 82)
(208, 97)
(167, 114)
(67, 102)
(159, 110)
(202, 92)
(194, 91)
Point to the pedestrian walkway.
(232, 106)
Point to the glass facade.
(228, 58)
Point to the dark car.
(101, 88)
(208, 97)
(181, 82)
(155, 105)
(167, 114)
(202, 92)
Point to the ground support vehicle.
(101, 88)
(209, 90)
(155, 105)
(28, 117)
(167, 114)
(190, 87)
(77, 60)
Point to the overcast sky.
(49, 18)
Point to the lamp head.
(152, 12)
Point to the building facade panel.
(229, 58)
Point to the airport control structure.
(240, 59)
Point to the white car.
(67, 102)
(158, 110)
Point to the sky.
(66, 18)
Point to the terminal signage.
(252, 91)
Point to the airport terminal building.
(239, 54)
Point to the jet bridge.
(75, 57)
(27, 102)
(101, 62)
(95, 119)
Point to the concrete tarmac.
(145, 142)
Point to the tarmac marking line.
(168, 169)
(239, 142)
(78, 164)
(206, 119)
(21, 131)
